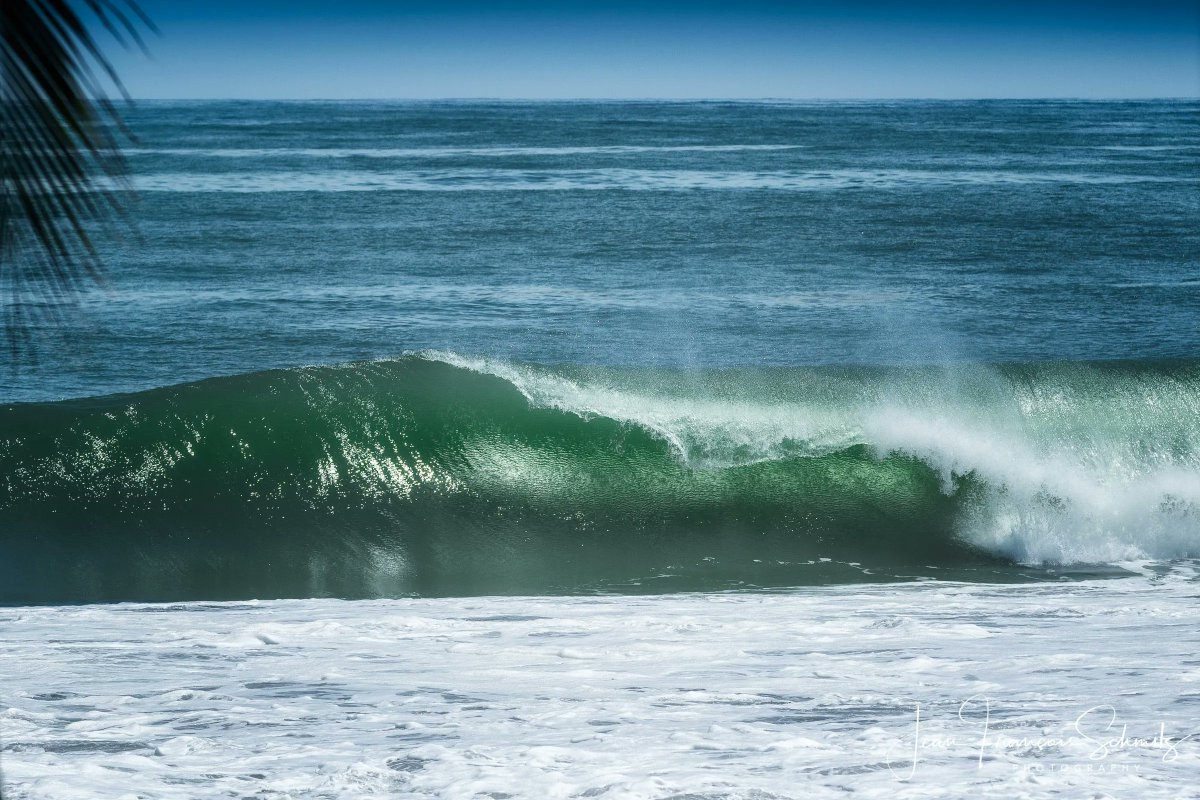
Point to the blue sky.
(656, 49)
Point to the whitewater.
(935, 689)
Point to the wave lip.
(439, 473)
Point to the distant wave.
(454, 152)
(511, 180)
(448, 474)
(1147, 148)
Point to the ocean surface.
(610, 450)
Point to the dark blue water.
(691, 234)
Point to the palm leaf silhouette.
(61, 168)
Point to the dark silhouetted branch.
(61, 168)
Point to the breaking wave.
(438, 473)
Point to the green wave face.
(438, 474)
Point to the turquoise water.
(458, 348)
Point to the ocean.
(620, 450)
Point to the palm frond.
(61, 168)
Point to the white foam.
(1042, 504)
(806, 694)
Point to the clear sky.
(658, 49)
